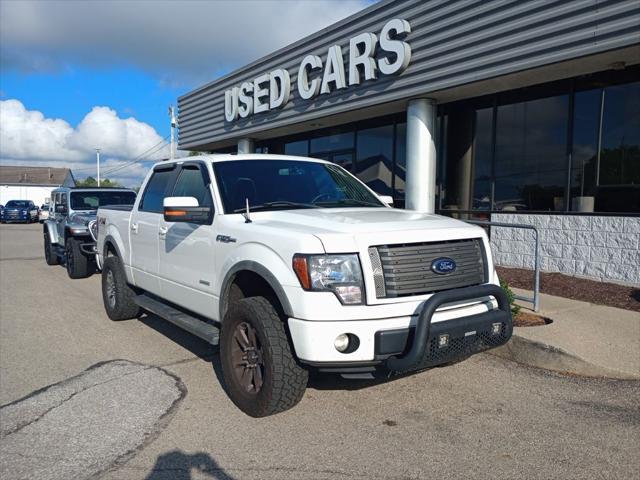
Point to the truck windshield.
(93, 200)
(288, 184)
(17, 204)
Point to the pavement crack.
(21, 426)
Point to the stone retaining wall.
(597, 247)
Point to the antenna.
(247, 213)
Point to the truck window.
(191, 183)
(154, 193)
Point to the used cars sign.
(271, 91)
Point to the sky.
(76, 75)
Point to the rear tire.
(78, 264)
(260, 372)
(50, 256)
(118, 296)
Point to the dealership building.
(509, 111)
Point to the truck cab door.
(186, 250)
(144, 228)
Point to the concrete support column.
(246, 145)
(420, 185)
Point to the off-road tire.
(120, 306)
(284, 380)
(78, 264)
(50, 256)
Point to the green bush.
(511, 296)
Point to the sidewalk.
(584, 339)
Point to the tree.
(92, 182)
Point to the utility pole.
(172, 116)
(98, 163)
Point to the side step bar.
(187, 322)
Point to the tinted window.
(155, 192)
(620, 151)
(191, 183)
(308, 183)
(300, 147)
(483, 157)
(586, 119)
(93, 200)
(531, 162)
(374, 162)
(337, 141)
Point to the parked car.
(293, 264)
(24, 211)
(68, 230)
(43, 213)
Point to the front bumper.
(411, 342)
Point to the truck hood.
(83, 218)
(354, 229)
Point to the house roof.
(49, 176)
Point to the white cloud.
(27, 137)
(178, 41)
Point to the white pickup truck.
(292, 263)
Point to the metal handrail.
(536, 284)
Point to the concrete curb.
(542, 355)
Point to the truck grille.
(405, 269)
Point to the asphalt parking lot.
(142, 400)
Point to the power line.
(147, 152)
(159, 146)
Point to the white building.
(32, 183)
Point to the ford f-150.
(293, 264)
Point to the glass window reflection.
(374, 158)
(530, 163)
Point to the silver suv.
(69, 232)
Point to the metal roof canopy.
(460, 49)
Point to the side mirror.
(61, 209)
(388, 199)
(185, 209)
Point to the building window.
(374, 158)
(586, 120)
(483, 159)
(301, 147)
(400, 168)
(340, 140)
(530, 158)
(619, 158)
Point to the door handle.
(134, 227)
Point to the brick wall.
(602, 248)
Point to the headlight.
(93, 230)
(340, 274)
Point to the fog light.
(496, 328)
(341, 342)
(443, 340)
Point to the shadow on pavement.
(177, 465)
(210, 353)
(190, 342)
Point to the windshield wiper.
(350, 201)
(275, 204)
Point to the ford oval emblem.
(443, 265)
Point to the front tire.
(78, 264)
(50, 256)
(118, 297)
(260, 372)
